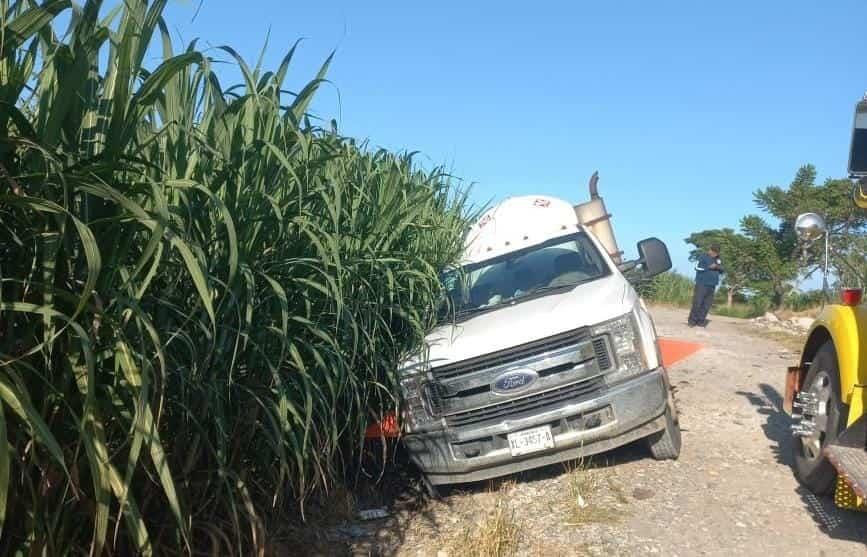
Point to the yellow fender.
(846, 326)
(859, 194)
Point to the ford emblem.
(515, 380)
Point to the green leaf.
(28, 23)
(18, 402)
(165, 72)
(302, 101)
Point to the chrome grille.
(527, 404)
(513, 354)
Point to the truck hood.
(586, 304)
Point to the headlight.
(413, 375)
(624, 339)
(415, 415)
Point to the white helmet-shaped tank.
(518, 222)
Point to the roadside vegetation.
(496, 533)
(674, 289)
(764, 260)
(671, 289)
(204, 292)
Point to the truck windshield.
(553, 266)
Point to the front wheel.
(665, 444)
(829, 416)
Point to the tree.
(833, 200)
(737, 255)
(766, 257)
(773, 255)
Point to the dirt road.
(731, 493)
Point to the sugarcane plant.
(204, 292)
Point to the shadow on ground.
(837, 523)
(332, 525)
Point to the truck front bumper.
(609, 418)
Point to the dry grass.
(790, 341)
(587, 490)
(547, 549)
(496, 534)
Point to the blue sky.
(684, 108)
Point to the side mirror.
(654, 257)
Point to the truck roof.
(518, 222)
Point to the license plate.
(531, 440)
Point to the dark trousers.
(702, 298)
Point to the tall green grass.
(203, 296)
(669, 288)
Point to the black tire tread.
(666, 444)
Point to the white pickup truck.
(546, 353)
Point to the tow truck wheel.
(665, 444)
(829, 415)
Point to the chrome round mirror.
(810, 226)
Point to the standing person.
(707, 274)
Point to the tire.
(665, 444)
(811, 467)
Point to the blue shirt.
(704, 275)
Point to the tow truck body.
(826, 393)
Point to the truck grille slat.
(514, 354)
(519, 406)
(603, 360)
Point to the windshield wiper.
(475, 310)
(469, 312)
(545, 289)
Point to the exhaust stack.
(597, 219)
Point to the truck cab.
(544, 351)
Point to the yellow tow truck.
(826, 394)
